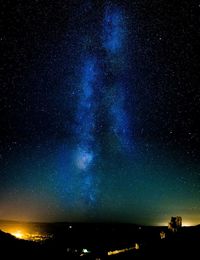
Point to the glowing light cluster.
(25, 235)
(18, 234)
(118, 251)
(37, 237)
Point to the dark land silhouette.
(101, 240)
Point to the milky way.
(85, 125)
(114, 42)
(98, 111)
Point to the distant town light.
(85, 251)
(36, 237)
(162, 235)
(18, 234)
(118, 251)
(137, 246)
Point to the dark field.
(99, 241)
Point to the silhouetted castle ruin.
(175, 224)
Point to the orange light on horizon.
(187, 224)
(26, 234)
(18, 234)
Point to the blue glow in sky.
(113, 29)
(84, 159)
(114, 42)
(85, 125)
(120, 120)
(85, 115)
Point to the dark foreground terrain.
(100, 241)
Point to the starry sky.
(99, 111)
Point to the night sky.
(99, 111)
